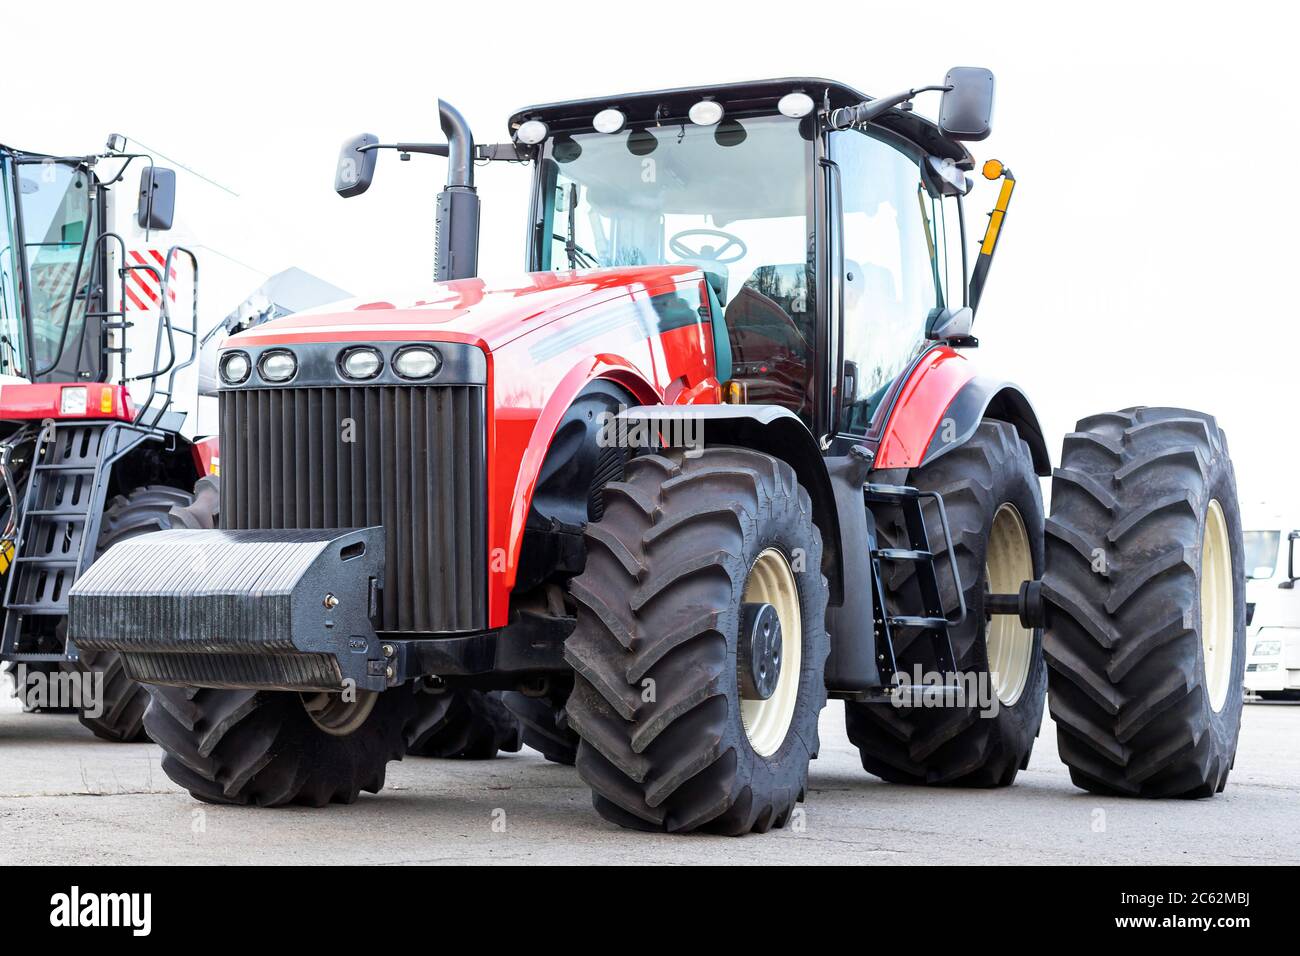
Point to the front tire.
(1146, 636)
(545, 725)
(687, 548)
(273, 748)
(461, 724)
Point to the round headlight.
(361, 363)
(609, 121)
(705, 112)
(531, 132)
(235, 368)
(279, 366)
(416, 361)
(795, 105)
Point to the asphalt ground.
(68, 798)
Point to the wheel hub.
(759, 649)
(763, 660)
(337, 716)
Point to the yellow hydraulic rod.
(988, 245)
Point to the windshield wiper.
(579, 258)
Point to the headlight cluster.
(359, 363)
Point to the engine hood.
(480, 312)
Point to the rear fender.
(982, 398)
(939, 405)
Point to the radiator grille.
(409, 458)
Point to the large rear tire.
(120, 710)
(995, 511)
(1146, 636)
(687, 549)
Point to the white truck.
(1272, 551)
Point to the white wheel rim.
(1008, 562)
(767, 721)
(1216, 605)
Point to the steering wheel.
(709, 252)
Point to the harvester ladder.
(58, 530)
(115, 319)
(897, 631)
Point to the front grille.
(409, 458)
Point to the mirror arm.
(429, 149)
(867, 111)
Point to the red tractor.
(718, 456)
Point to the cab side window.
(893, 273)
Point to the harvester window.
(58, 216)
(731, 200)
(11, 325)
(895, 250)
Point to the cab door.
(60, 209)
(894, 240)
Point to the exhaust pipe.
(456, 222)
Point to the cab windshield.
(731, 200)
(11, 317)
(58, 222)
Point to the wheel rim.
(1217, 599)
(336, 716)
(771, 581)
(1008, 643)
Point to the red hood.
(475, 311)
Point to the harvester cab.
(98, 412)
(718, 455)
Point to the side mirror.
(356, 168)
(1293, 556)
(951, 324)
(156, 207)
(966, 112)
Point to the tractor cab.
(832, 240)
(829, 225)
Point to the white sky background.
(1145, 259)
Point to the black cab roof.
(739, 99)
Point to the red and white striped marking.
(143, 286)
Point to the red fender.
(918, 409)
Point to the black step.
(88, 469)
(901, 554)
(925, 623)
(21, 658)
(45, 607)
(46, 562)
(891, 492)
